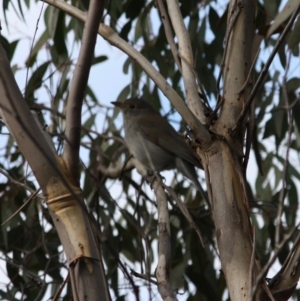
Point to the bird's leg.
(152, 176)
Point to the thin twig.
(23, 206)
(252, 264)
(142, 276)
(184, 211)
(203, 95)
(168, 32)
(58, 293)
(101, 238)
(106, 137)
(269, 293)
(252, 261)
(213, 115)
(22, 268)
(265, 69)
(286, 163)
(31, 47)
(274, 280)
(18, 183)
(266, 268)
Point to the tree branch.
(185, 50)
(168, 32)
(78, 88)
(18, 118)
(114, 170)
(238, 61)
(16, 182)
(164, 238)
(184, 211)
(285, 281)
(282, 194)
(265, 69)
(233, 17)
(32, 196)
(108, 34)
(266, 268)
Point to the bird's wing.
(166, 137)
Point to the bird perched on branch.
(155, 143)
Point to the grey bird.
(155, 143)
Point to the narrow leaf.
(283, 15)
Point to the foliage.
(125, 210)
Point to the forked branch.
(107, 33)
(264, 71)
(78, 88)
(185, 51)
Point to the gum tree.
(216, 65)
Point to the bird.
(155, 143)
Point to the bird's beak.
(117, 104)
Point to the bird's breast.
(149, 154)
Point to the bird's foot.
(152, 176)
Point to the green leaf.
(133, 8)
(271, 7)
(35, 81)
(213, 18)
(292, 209)
(90, 121)
(292, 85)
(126, 65)
(9, 47)
(282, 55)
(13, 274)
(91, 94)
(60, 37)
(51, 20)
(294, 37)
(202, 31)
(269, 128)
(99, 59)
(289, 8)
(36, 48)
(125, 30)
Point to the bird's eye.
(132, 106)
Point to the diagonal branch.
(168, 32)
(265, 69)
(16, 182)
(78, 87)
(108, 34)
(237, 63)
(266, 268)
(64, 199)
(285, 281)
(282, 194)
(233, 18)
(182, 206)
(164, 257)
(17, 116)
(32, 196)
(185, 50)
